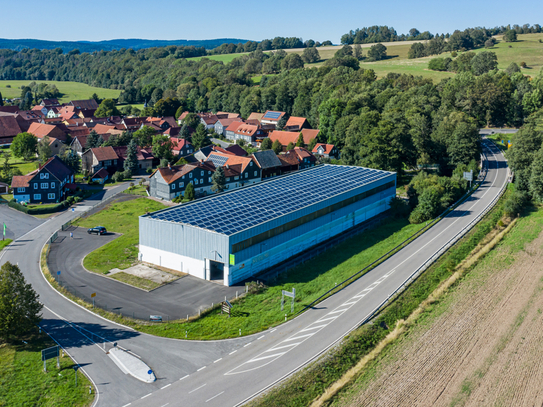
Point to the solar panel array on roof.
(217, 160)
(241, 209)
(272, 115)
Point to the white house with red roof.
(326, 150)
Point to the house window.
(44, 175)
(246, 175)
(236, 178)
(201, 173)
(44, 185)
(190, 175)
(50, 196)
(251, 164)
(35, 185)
(256, 173)
(181, 185)
(173, 186)
(209, 180)
(107, 163)
(37, 197)
(201, 181)
(52, 184)
(195, 182)
(20, 190)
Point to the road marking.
(274, 329)
(217, 395)
(168, 385)
(260, 337)
(299, 337)
(126, 405)
(198, 388)
(202, 368)
(147, 395)
(335, 312)
(184, 377)
(217, 360)
(267, 357)
(283, 347)
(326, 319)
(315, 327)
(231, 353)
(246, 345)
(165, 405)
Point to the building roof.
(57, 167)
(246, 129)
(286, 137)
(9, 126)
(228, 121)
(173, 173)
(227, 115)
(220, 159)
(142, 154)
(180, 143)
(31, 114)
(21, 181)
(9, 109)
(296, 123)
(102, 173)
(255, 116)
(237, 150)
(40, 130)
(296, 193)
(327, 148)
(272, 116)
(234, 126)
(104, 153)
(84, 104)
(266, 159)
(50, 102)
(208, 119)
(103, 128)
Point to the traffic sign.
(93, 295)
(155, 318)
(49, 353)
(73, 209)
(150, 371)
(58, 273)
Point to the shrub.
(127, 174)
(454, 54)
(117, 177)
(149, 170)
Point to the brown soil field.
(481, 346)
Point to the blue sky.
(254, 20)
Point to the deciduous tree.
(24, 146)
(218, 180)
(107, 108)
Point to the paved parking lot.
(178, 299)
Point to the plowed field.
(481, 346)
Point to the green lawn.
(4, 243)
(24, 166)
(137, 190)
(23, 382)
(257, 312)
(135, 281)
(121, 217)
(70, 90)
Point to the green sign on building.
(232, 260)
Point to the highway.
(230, 372)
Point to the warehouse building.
(232, 236)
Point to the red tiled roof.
(286, 137)
(105, 153)
(40, 130)
(180, 143)
(173, 173)
(21, 181)
(9, 126)
(234, 126)
(304, 153)
(297, 122)
(327, 148)
(227, 115)
(85, 104)
(233, 159)
(246, 129)
(228, 121)
(102, 173)
(103, 128)
(9, 109)
(255, 116)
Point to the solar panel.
(217, 160)
(272, 115)
(241, 209)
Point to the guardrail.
(348, 281)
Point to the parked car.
(99, 230)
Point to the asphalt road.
(17, 223)
(227, 373)
(176, 300)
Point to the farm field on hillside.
(71, 90)
(479, 346)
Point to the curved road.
(227, 373)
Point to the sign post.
(292, 295)
(92, 296)
(469, 177)
(58, 275)
(50, 353)
(75, 370)
(226, 307)
(155, 318)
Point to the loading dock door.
(216, 270)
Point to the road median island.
(309, 384)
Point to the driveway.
(176, 300)
(17, 223)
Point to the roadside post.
(92, 296)
(226, 307)
(292, 295)
(150, 372)
(50, 353)
(75, 371)
(58, 276)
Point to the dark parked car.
(99, 230)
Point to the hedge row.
(44, 210)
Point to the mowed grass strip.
(135, 281)
(24, 383)
(70, 90)
(260, 311)
(121, 217)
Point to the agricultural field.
(225, 58)
(480, 345)
(70, 90)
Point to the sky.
(251, 20)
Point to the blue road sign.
(150, 372)
(58, 273)
(49, 353)
(73, 209)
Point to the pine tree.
(300, 141)
(93, 140)
(44, 150)
(290, 146)
(100, 141)
(185, 133)
(219, 180)
(19, 304)
(277, 147)
(189, 192)
(131, 162)
(281, 123)
(266, 144)
(72, 160)
(1, 100)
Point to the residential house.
(79, 142)
(103, 128)
(144, 156)
(272, 117)
(50, 102)
(86, 113)
(84, 104)
(42, 109)
(326, 150)
(239, 171)
(248, 133)
(9, 128)
(26, 117)
(236, 150)
(97, 158)
(230, 132)
(222, 124)
(305, 158)
(68, 112)
(181, 147)
(296, 159)
(255, 116)
(181, 117)
(9, 109)
(133, 123)
(287, 137)
(40, 130)
(49, 183)
(268, 162)
(296, 124)
(170, 182)
(208, 120)
(101, 176)
(228, 115)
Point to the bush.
(149, 170)
(439, 64)
(454, 54)
(127, 174)
(117, 177)
(515, 202)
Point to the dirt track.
(484, 349)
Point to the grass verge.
(135, 281)
(119, 217)
(307, 385)
(4, 243)
(24, 383)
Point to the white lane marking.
(267, 357)
(314, 327)
(126, 405)
(325, 319)
(231, 353)
(349, 303)
(246, 345)
(274, 329)
(165, 405)
(335, 312)
(217, 360)
(299, 337)
(216, 395)
(198, 388)
(147, 395)
(283, 347)
(184, 377)
(260, 337)
(168, 385)
(202, 368)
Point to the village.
(247, 150)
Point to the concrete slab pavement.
(131, 365)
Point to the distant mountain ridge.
(109, 45)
